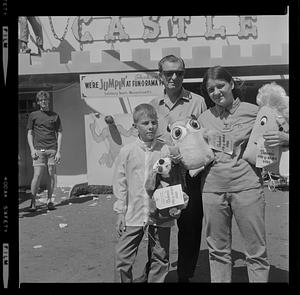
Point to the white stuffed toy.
(273, 115)
(191, 144)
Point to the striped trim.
(79, 61)
(244, 78)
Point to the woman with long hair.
(230, 185)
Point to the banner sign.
(120, 85)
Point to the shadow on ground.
(23, 197)
(239, 270)
(42, 208)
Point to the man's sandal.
(50, 206)
(32, 207)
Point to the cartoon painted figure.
(112, 133)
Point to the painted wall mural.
(105, 136)
(113, 96)
(112, 135)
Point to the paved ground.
(75, 242)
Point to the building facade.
(105, 65)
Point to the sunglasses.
(170, 74)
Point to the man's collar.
(184, 94)
(44, 110)
(220, 110)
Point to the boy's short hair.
(42, 94)
(144, 109)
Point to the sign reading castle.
(153, 29)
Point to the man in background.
(44, 138)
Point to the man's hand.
(34, 154)
(120, 225)
(57, 157)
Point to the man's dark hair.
(170, 58)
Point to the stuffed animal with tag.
(273, 115)
(191, 144)
(165, 173)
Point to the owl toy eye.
(263, 121)
(178, 132)
(194, 123)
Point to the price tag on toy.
(169, 196)
(222, 142)
(265, 155)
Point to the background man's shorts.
(46, 157)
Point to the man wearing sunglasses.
(44, 139)
(179, 104)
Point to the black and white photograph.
(151, 149)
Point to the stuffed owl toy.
(191, 145)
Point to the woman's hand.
(276, 138)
